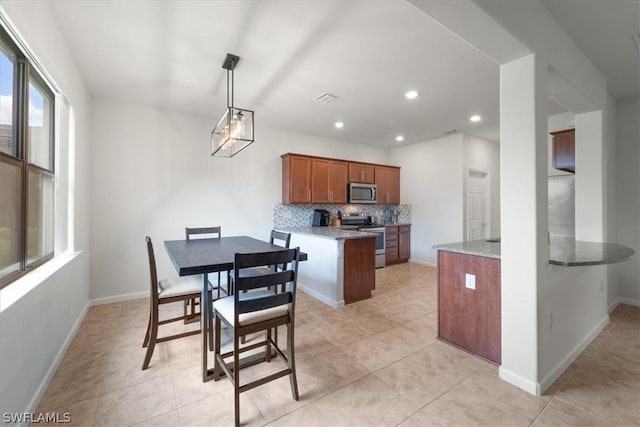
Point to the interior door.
(476, 205)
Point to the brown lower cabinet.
(470, 318)
(397, 243)
(359, 269)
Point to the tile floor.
(373, 363)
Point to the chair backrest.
(152, 271)
(283, 239)
(280, 238)
(210, 232)
(270, 280)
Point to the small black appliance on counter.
(320, 218)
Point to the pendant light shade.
(234, 131)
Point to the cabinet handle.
(330, 196)
(362, 175)
(309, 195)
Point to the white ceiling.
(169, 53)
(603, 30)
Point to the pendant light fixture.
(234, 131)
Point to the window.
(27, 179)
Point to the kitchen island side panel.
(359, 269)
(470, 318)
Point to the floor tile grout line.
(582, 409)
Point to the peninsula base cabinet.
(397, 243)
(469, 307)
(338, 271)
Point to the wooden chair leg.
(293, 379)
(217, 370)
(209, 319)
(267, 347)
(236, 377)
(152, 338)
(146, 335)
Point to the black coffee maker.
(320, 218)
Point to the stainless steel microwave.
(362, 193)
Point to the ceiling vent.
(636, 40)
(327, 97)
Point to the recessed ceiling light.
(475, 118)
(339, 125)
(399, 138)
(411, 94)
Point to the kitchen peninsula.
(469, 287)
(341, 266)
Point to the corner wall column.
(523, 192)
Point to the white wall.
(523, 198)
(432, 181)
(35, 328)
(153, 175)
(627, 196)
(482, 155)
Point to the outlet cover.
(470, 281)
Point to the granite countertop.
(564, 251)
(473, 247)
(334, 233)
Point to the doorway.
(477, 213)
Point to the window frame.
(24, 72)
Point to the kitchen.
(147, 162)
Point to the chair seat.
(225, 308)
(177, 286)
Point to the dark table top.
(199, 256)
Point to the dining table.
(211, 255)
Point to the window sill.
(12, 293)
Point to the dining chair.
(210, 233)
(265, 306)
(279, 238)
(163, 292)
(207, 233)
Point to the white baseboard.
(518, 381)
(613, 305)
(324, 299)
(44, 384)
(630, 301)
(118, 298)
(623, 300)
(548, 380)
(423, 262)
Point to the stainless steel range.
(365, 223)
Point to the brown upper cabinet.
(361, 172)
(320, 180)
(328, 181)
(564, 150)
(387, 179)
(296, 179)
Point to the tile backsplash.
(562, 206)
(301, 215)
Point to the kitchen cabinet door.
(296, 179)
(328, 181)
(360, 172)
(338, 172)
(564, 150)
(388, 183)
(320, 181)
(404, 242)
